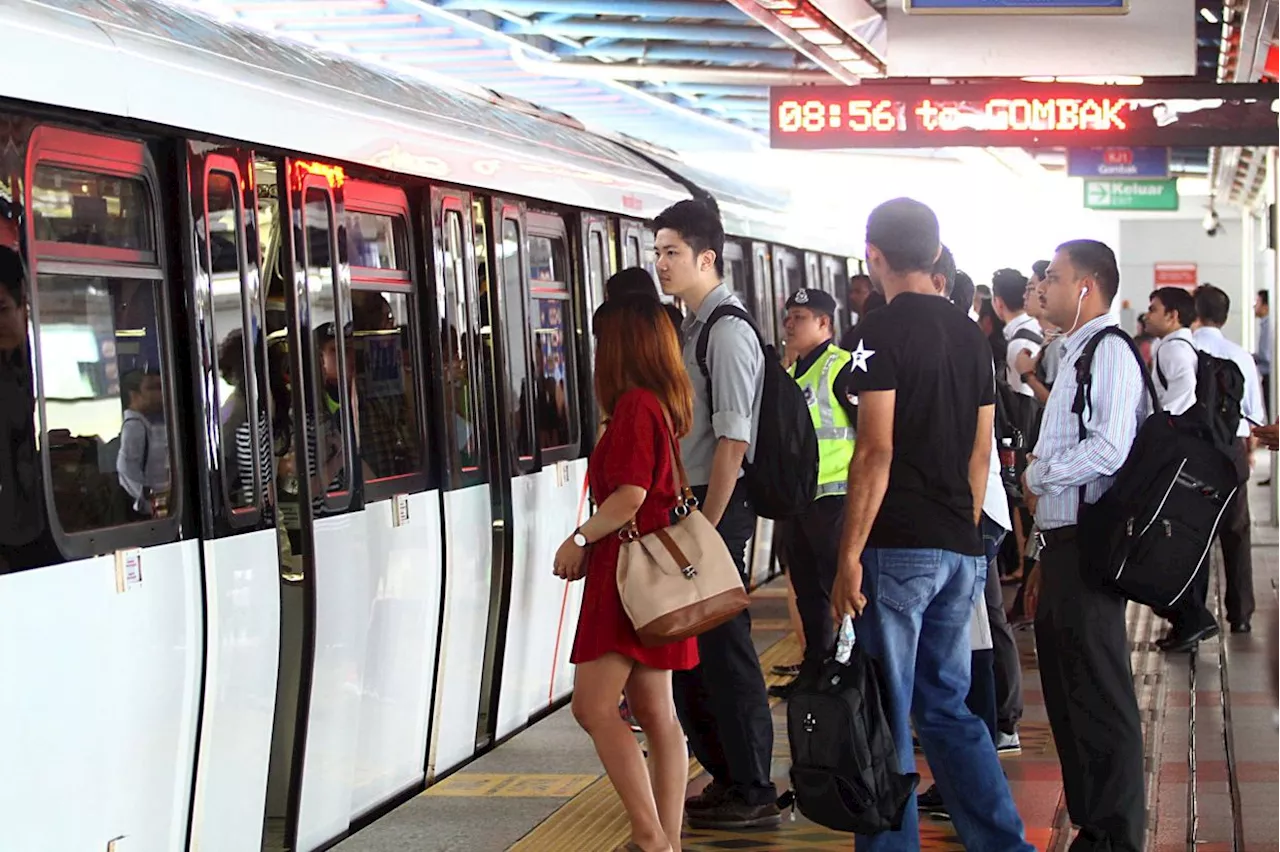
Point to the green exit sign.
(1131, 194)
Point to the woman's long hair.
(636, 347)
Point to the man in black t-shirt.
(922, 372)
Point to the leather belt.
(1058, 537)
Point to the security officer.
(822, 370)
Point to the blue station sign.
(1116, 162)
(1014, 7)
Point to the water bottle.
(844, 641)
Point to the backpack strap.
(1028, 335)
(704, 337)
(1160, 370)
(1084, 374)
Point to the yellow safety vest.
(830, 421)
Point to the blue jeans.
(917, 625)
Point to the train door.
(595, 259)
(812, 270)
(735, 277)
(836, 282)
(241, 578)
(539, 294)
(322, 535)
(404, 561)
(632, 248)
(763, 301)
(472, 512)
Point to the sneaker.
(734, 813)
(790, 670)
(712, 796)
(1008, 743)
(930, 802)
(625, 712)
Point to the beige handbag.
(680, 581)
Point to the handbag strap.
(686, 502)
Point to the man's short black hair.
(1178, 301)
(12, 275)
(962, 293)
(1039, 268)
(1098, 260)
(1010, 286)
(861, 276)
(698, 224)
(945, 266)
(906, 233)
(1213, 306)
(1264, 297)
(982, 291)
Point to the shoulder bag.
(680, 581)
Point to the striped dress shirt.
(1118, 405)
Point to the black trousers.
(722, 704)
(1008, 666)
(1236, 537)
(1089, 696)
(812, 550)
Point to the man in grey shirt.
(722, 703)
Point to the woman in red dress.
(643, 389)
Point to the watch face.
(579, 539)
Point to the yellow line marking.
(522, 785)
(594, 819)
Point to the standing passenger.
(643, 388)
(916, 488)
(722, 703)
(822, 371)
(1080, 628)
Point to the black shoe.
(789, 670)
(1241, 627)
(735, 813)
(712, 796)
(1178, 642)
(930, 802)
(782, 690)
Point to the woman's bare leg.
(649, 694)
(597, 685)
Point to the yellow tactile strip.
(524, 785)
(594, 819)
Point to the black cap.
(817, 301)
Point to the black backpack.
(1149, 535)
(843, 759)
(1017, 424)
(1219, 395)
(783, 478)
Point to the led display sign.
(1017, 114)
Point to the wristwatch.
(579, 539)
(1027, 376)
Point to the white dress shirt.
(1022, 322)
(1175, 357)
(1210, 340)
(1118, 405)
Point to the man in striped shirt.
(1080, 629)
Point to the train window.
(595, 263)
(386, 385)
(106, 419)
(517, 337)
(555, 408)
(375, 241)
(633, 250)
(328, 454)
(461, 394)
(246, 451)
(72, 206)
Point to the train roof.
(177, 67)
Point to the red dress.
(634, 450)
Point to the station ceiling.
(691, 75)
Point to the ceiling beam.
(656, 9)
(653, 31)
(690, 53)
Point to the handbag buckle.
(682, 510)
(689, 572)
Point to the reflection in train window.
(386, 385)
(71, 206)
(556, 403)
(735, 276)
(548, 260)
(106, 422)
(633, 251)
(376, 242)
(596, 271)
(243, 448)
(327, 465)
(460, 387)
(517, 339)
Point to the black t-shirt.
(845, 394)
(939, 363)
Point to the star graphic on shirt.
(861, 356)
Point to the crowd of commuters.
(948, 454)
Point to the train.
(297, 388)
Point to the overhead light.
(840, 52)
(1207, 14)
(821, 37)
(800, 22)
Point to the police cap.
(818, 301)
